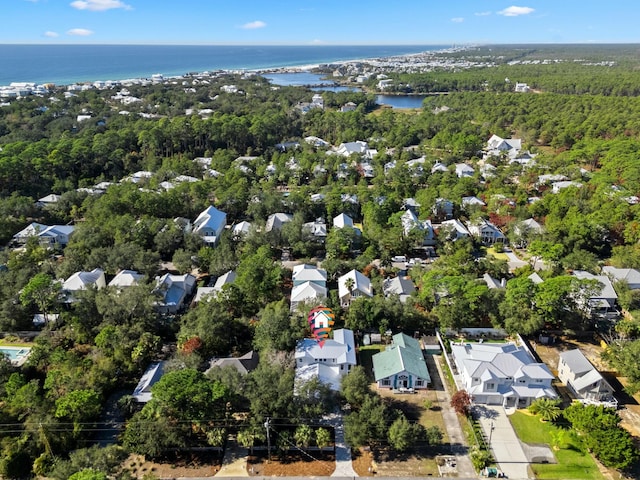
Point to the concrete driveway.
(504, 442)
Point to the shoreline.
(303, 67)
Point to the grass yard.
(573, 461)
(366, 354)
(499, 256)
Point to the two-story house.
(589, 386)
(501, 374)
(309, 284)
(210, 224)
(353, 285)
(329, 362)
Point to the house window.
(491, 386)
(522, 381)
(538, 380)
(476, 379)
(341, 367)
(386, 382)
(418, 383)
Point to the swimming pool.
(17, 355)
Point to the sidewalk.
(505, 445)
(457, 439)
(344, 467)
(234, 463)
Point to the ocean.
(66, 64)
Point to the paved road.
(457, 440)
(505, 445)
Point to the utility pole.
(267, 425)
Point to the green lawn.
(499, 256)
(573, 461)
(366, 353)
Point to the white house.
(307, 292)
(521, 88)
(577, 372)
(210, 224)
(353, 285)
(501, 374)
(463, 170)
(329, 362)
(173, 291)
(83, 280)
(410, 223)
(126, 278)
(343, 220)
(498, 146)
(48, 236)
(486, 231)
(309, 273)
(221, 281)
(455, 228)
(241, 229)
(401, 365)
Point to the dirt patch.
(293, 465)
(363, 463)
(186, 465)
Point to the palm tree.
(548, 409)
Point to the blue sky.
(307, 22)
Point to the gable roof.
(142, 392)
(210, 220)
(341, 348)
(629, 275)
(576, 361)
(276, 220)
(309, 273)
(126, 278)
(360, 283)
(307, 291)
(398, 286)
(343, 220)
(403, 355)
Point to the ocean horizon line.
(65, 64)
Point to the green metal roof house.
(401, 365)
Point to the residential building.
(443, 209)
(486, 231)
(584, 380)
(48, 235)
(142, 392)
(329, 362)
(126, 278)
(173, 291)
(343, 220)
(501, 374)
(244, 364)
(410, 224)
(82, 281)
(309, 273)
(275, 221)
(317, 229)
(464, 171)
(307, 292)
(401, 365)
(498, 146)
(604, 301)
(455, 229)
(401, 286)
(210, 224)
(629, 275)
(353, 285)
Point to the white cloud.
(254, 25)
(51, 34)
(482, 14)
(514, 11)
(317, 41)
(79, 32)
(99, 5)
(457, 20)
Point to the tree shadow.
(481, 411)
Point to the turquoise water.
(401, 101)
(15, 353)
(65, 64)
